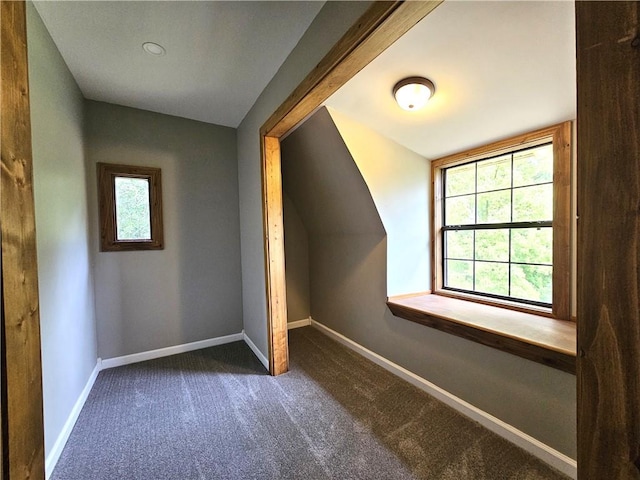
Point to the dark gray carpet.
(216, 414)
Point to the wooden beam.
(608, 74)
(378, 28)
(22, 417)
(274, 253)
(562, 223)
(2, 362)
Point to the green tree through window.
(133, 213)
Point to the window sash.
(502, 226)
(492, 226)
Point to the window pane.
(460, 180)
(460, 210)
(533, 166)
(492, 278)
(459, 244)
(459, 274)
(494, 207)
(492, 245)
(494, 174)
(133, 218)
(531, 204)
(532, 245)
(532, 282)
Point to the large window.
(130, 208)
(501, 222)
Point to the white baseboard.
(556, 459)
(56, 450)
(165, 352)
(305, 322)
(263, 360)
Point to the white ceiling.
(500, 68)
(220, 55)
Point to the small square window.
(130, 200)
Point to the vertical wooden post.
(274, 251)
(22, 417)
(608, 69)
(2, 369)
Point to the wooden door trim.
(22, 415)
(378, 28)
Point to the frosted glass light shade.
(413, 93)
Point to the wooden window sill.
(534, 337)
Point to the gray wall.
(348, 282)
(296, 250)
(191, 290)
(330, 24)
(65, 274)
(399, 181)
(324, 183)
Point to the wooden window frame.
(107, 173)
(560, 136)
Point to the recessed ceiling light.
(153, 49)
(413, 93)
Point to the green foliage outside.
(481, 193)
(133, 215)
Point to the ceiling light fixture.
(413, 93)
(153, 49)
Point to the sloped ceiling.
(324, 183)
(219, 54)
(500, 68)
